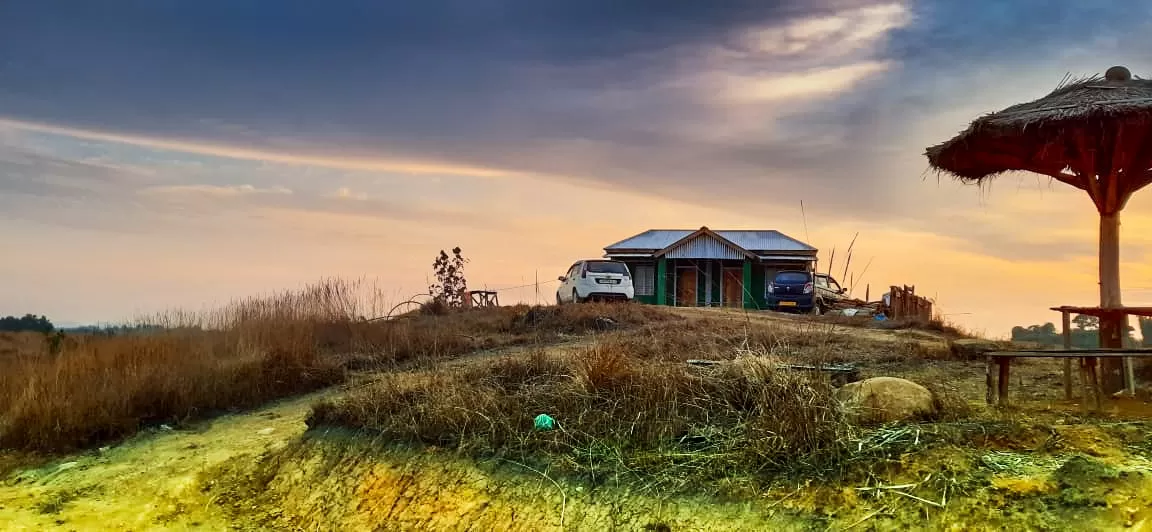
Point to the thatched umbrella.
(1094, 134)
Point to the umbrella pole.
(1112, 331)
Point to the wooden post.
(1094, 378)
(988, 361)
(1002, 384)
(1111, 325)
(1066, 332)
(1087, 391)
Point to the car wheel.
(818, 309)
(575, 297)
(558, 300)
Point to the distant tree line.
(114, 330)
(27, 323)
(1085, 333)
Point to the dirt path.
(150, 482)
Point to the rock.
(885, 399)
(971, 348)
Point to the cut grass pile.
(194, 365)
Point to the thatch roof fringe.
(1033, 136)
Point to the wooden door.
(686, 287)
(733, 287)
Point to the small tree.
(1085, 322)
(450, 282)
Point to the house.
(705, 268)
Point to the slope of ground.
(1043, 465)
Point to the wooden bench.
(998, 366)
(840, 374)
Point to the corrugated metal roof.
(651, 239)
(704, 247)
(770, 240)
(798, 258)
(752, 240)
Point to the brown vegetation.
(629, 408)
(98, 388)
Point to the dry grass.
(99, 388)
(937, 325)
(630, 409)
(617, 415)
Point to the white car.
(595, 279)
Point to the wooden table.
(998, 364)
(1113, 330)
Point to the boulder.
(885, 399)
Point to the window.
(644, 279)
(607, 267)
(822, 281)
(792, 277)
(833, 285)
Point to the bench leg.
(1090, 381)
(1067, 378)
(1097, 385)
(1087, 391)
(988, 386)
(1002, 384)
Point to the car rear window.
(607, 267)
(793, 277)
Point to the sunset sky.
(179, 154)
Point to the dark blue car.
(802, 291)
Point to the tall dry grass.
(191, 365)
(621, 414)
(630, 409)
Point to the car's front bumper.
(801, 303)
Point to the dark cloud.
(590, 89)
(27, 172)
(96, 194)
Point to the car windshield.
(607, 267)
(792, 277)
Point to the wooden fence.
(904, 303)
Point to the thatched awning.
(1091, 127)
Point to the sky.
(178, 154)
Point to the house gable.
(764, 244)
(704, 244)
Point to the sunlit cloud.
(802, 85)
(343, 162)
(842, 33)
(227, 191)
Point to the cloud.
(213, 191)
(505, 88)
(821, 82)
(268, 154)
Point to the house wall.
(633, 266)
(709, 287)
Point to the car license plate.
(609, 281)
(787, 303)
